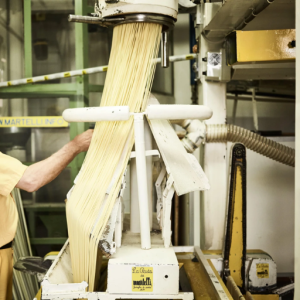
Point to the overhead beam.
(39, 91)
(237, 14)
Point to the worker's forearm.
(43, 172)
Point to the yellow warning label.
(142, 279)
(189, 57)
(33, 122)
(262, 270)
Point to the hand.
(195, 49)
(82, 141)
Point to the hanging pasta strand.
(128, 82)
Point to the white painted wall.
(271, 116)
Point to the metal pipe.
(164, 50)
(8, 37)
(198, 132)
(254, 110)
(84, 19)
(253, 141)
(142, 180)
(134, 203)
(234, 108)
(178, 112)
(94, 20)
(95, 114)
(258, 98)
(176, 220)
(82, 72)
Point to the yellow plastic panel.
(265, 45)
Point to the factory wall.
(272, 116)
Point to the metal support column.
(254, 110)
(27, 38)
(81, 99)
(297, 166)
(212, 94)
(235, 104)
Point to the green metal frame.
(77, 92)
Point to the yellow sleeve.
(11, 171)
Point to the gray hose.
(253, 141)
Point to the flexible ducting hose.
(253, 141)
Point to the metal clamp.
(166, 21)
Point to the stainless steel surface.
(245, 97)
(280, 65)
(264, 71)
(280, 14)
(84, 19)
(164, 50)
(165, 21)
(284, 290)
(14, 136)
(94, 20)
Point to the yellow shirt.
(11, 171)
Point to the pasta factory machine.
(145, 267)
(111, 13)
(140, 265)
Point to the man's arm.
(43, 172)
